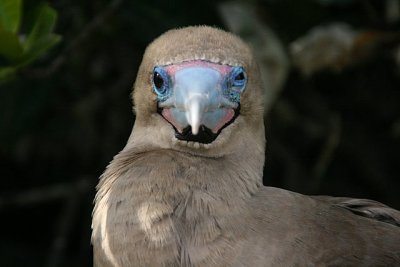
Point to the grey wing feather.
(366, 208)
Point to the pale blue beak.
(198, 99)
(199, 95)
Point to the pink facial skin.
(223, 69)
(230, 113)
(166, 113)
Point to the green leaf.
(39, 47)
(7, 73)
(44, 25)
(40, 38)
(10, 47)
(10, 15)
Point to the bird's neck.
(189, 182)
(173, 201)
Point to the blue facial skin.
(161, 84)
(235, 84)
(233, 87)
(199, 96)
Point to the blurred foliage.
(19, 48)
(68, 113)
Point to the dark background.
(65, 117)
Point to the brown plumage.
(169, 202)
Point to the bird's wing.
(366, 208)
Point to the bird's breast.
(175, 210)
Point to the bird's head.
(198, 88)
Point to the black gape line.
(205, 135)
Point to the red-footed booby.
(187, 188)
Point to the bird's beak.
(196, 92)
(198, 100)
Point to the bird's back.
(290, 229)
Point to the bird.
(187, 190)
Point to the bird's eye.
(158, 80)
(239, 78)
(236, 83)
(160, 83)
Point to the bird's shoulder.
(325, 229)
(364, 207)
(311, 207)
